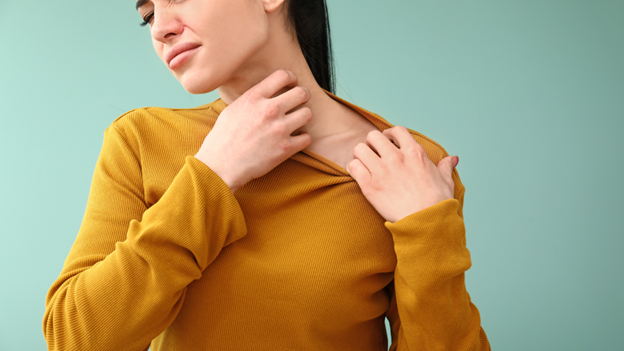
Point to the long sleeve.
(126, 275)
(430, 308)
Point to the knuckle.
(283, 147)
(413, 148)
(252, 94)
(396, 157)
(270, 111)
(419, 152)
(418, 148)
(279, 128)
(410, 148)
(402, 129)
(375, 186)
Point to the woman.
(295, 220)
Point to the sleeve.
(126, 274)
(430, 308)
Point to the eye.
(147, 19)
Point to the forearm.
(121, 300)
(434, 307)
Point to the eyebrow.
(140, 3)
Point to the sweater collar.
(219, 105)
(312, 159)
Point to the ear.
(271, 5)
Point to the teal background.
(529, 94)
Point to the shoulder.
(158, 120)
(147, 136)
(434, 150)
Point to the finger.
(297, 119)
(292, 98)
(367, 156)
(380, 143)
(275, 82)
(400, 135)
(446, 166)
(358, 171)
(300, 141)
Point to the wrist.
(229, 179)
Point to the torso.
(313, 267)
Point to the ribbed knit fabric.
(295, 260)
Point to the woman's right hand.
(253, 134)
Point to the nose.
(166, 25)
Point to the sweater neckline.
(313, 159)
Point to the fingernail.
(456, 161)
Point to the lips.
(179, 49)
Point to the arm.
(430, 307)
(125, 277)
(422, 204)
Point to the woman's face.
(204, 42)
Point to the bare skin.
(276, 108)
(335, 129)
(338, 147)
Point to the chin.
(199, 86)
(200, 82)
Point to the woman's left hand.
(399, 179)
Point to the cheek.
(233, 30)
(158, 47)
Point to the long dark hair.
(310, 20)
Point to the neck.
(283, 52)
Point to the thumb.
(447, 164)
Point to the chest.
(314, 247)
(314, 240)
(312, 217)
(339, 148)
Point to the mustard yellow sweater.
(295, 260)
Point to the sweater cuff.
(436, 224)
(218, 191)
(209, 175)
